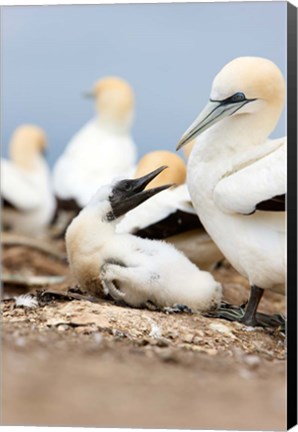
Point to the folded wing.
(260, 186)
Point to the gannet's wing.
(17, 188)
(259, 186)
(167, 213)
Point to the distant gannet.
(170, 215)
(26, 193)
(129, 268)
(102, 149)
(237, 176)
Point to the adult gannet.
(102, 149)
(237, 176)
(26, 193)
(128, 267)
(169, 215)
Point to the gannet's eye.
(238, 97)
(126, 186)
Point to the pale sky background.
(169, 53)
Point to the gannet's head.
(175, 174)
(245, 86)
(117, 199)
(114, 102)
(27, 143)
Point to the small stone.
(167, 355)
(162, 342)
(20, 341)
(97, 337)
(173, 334)
(188, 338)
(197, 340)
(62, 327)
(252, 361)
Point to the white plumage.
(153, 271)
(130, 268)
(29, 202)
(237, 176)
(102, 149)
(170, 215)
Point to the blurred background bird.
(170, 215)
(101, 150)
(26, 193)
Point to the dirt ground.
(71, 362)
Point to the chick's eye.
(126, 186)
(238, 97)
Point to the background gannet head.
(246, 86)
(27, 144)
(175, 174)
(117, 199)
(114, 102)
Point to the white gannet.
(102, 149)
(237, 175)
(135, 270)
(26, 192)
(170, 215)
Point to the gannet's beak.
(89, 94)
(213, 112)
(128, 194)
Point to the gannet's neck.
(85, 238)
(31, 162)
(114, 127)
(233, 136)
(228, 146)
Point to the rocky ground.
(72, 362)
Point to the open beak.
(128, 194)
(213, 112)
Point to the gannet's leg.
(110, 288)
(249, 317)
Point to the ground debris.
(70, 339)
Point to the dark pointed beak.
(128, 194)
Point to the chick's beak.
(128, 194)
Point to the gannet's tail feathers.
(258, 186)
(277, 203)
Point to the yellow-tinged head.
(27, 143)
(258, 78)
(175, 174)
(250, 88)
(114, 101)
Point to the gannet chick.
(128, 267)
(169, 215)
(26, 192)
(102, 149)
(237, 175)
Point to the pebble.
(62, 327)
(252, 360)
(97, 337)
(188, 338)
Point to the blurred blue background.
(168, 52)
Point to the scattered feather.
(26, 301)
